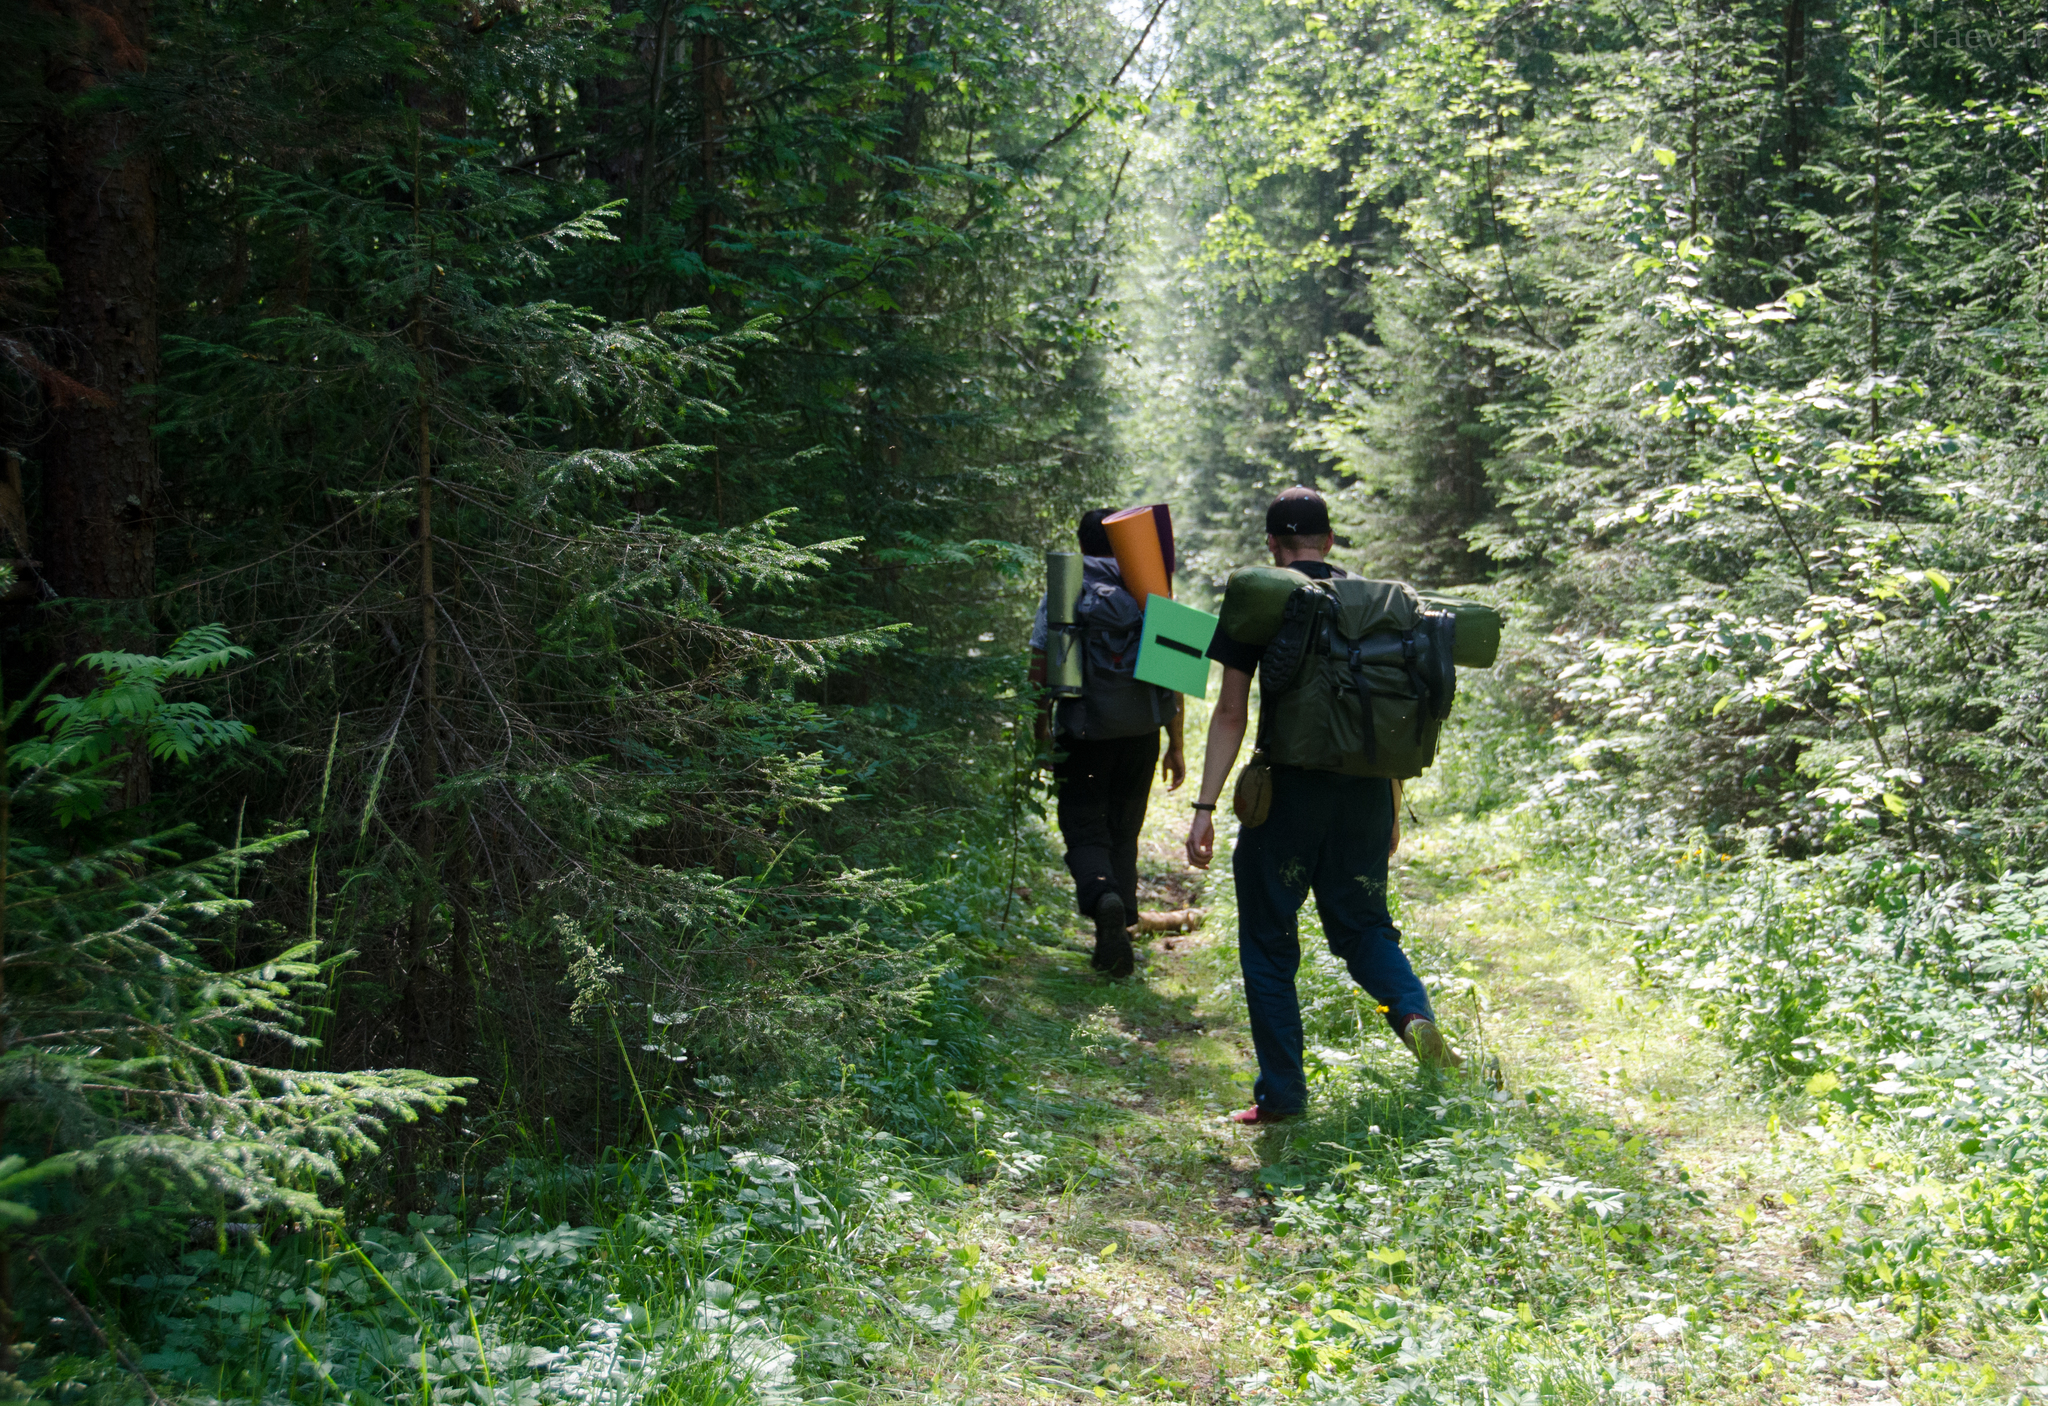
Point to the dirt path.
(1600, 1209)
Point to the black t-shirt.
(1233, 655)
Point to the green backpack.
(1357, 676)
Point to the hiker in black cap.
(1106, 744)
(1326, 833)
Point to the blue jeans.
(1327, 834)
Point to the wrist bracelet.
(1199, 806)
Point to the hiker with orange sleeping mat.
(1105, 741)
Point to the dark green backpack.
(1357, 676)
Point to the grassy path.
(1599, 1209)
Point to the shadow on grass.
(1391, 1128)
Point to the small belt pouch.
(1252, 800)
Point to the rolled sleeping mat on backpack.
(1256, 596)
(1135, 537)
(1253, 601)
(1063, 661)
(1476, 642)
(1063, 577)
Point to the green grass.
(1033, 1197)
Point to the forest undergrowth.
(1630, 1193)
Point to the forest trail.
(1601, 1208)
(514, 699)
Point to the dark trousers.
(1327, 835)
(1103, 787)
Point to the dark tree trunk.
(462, 934)
(906, 143)
(1792, 82)
(98, 530)
(611, 152)
(618, 109)
(714, 90)
(621, 118)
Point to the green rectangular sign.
(1174, 649)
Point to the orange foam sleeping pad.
(1134, 537)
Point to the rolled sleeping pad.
(1256, 595)
(1476, 643)
(1063, 577)
(1062, 640)
(1253, 599)
(1063, 662)
(1140, 556)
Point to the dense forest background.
(1710, 333)
(523, 516)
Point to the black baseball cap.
(1299, 512)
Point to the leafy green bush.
(1886, 999)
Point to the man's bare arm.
(1041, 727)
(1174, 765)
(1227, 726)
(1226, 732)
